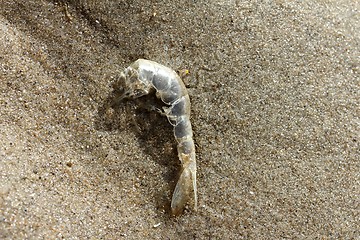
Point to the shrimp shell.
(140, 78)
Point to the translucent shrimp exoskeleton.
(139, 78)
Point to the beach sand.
(275, 93)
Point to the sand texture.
(275, 93)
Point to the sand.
(275, 91)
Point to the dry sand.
(275, 90)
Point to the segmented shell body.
(139, 79)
